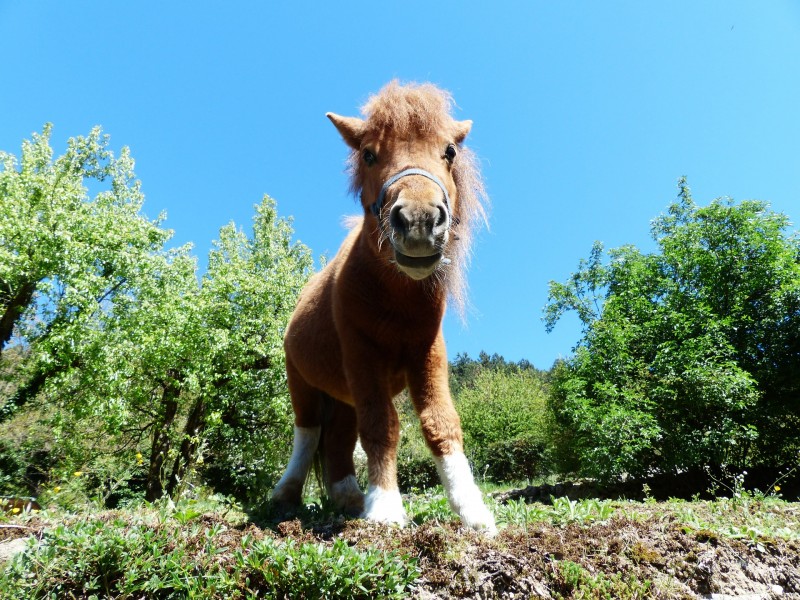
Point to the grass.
(208, 548)
(562, 511)
(751, 518)
(571, 580)
(175, 552)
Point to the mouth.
(417, 262)
(418, 267)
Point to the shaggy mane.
(417, 110)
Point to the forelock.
(409, 110)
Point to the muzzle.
(378, 204)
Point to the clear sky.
(585, 116)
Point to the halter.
(378, 204)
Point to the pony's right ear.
(351, 129)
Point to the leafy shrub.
(186, 559)
(248, 449)
(506, 424)
(522, 458)
(12, 470)
(291, 570)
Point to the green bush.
(507, 428)
(12, 470)
(506, 424)
(521, 458)
(248, 448)
(67, 461)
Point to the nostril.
(397, 219)
(441, 221)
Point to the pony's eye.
(450, 153)
(369, 157)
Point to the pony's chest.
(380, 308)
(397, 325)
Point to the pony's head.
(419, 185)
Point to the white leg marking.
(384, 505)
(465, 497)
(306, 440)
(348, 495)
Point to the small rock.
(9, 548)
(737, 597)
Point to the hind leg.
(307, 406)
(339, 442)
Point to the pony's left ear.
(462, 128)
(351, 129)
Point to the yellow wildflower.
(78, 473)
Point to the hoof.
(464, 496)
(280, 511)
(479, 518)
(287, 496)
(347, 496)
(384, 506)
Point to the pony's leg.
(340, 435)
(441, 427)
(379, 430)
(307, 406)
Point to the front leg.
(379, 432)
(430, 393)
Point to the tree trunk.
(161, 441)
(13, 307)
(186, 457)
(27, 391)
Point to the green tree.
(65, 256)
(464, 370)
(198, 369)
(139, 368)
(249, 292)
(689, 355)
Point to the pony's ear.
(351, 128)
(461, 130)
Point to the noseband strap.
(378, 204)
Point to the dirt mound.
(652, 558)
(643, 553)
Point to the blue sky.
(585, 115)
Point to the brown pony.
(369, 324)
